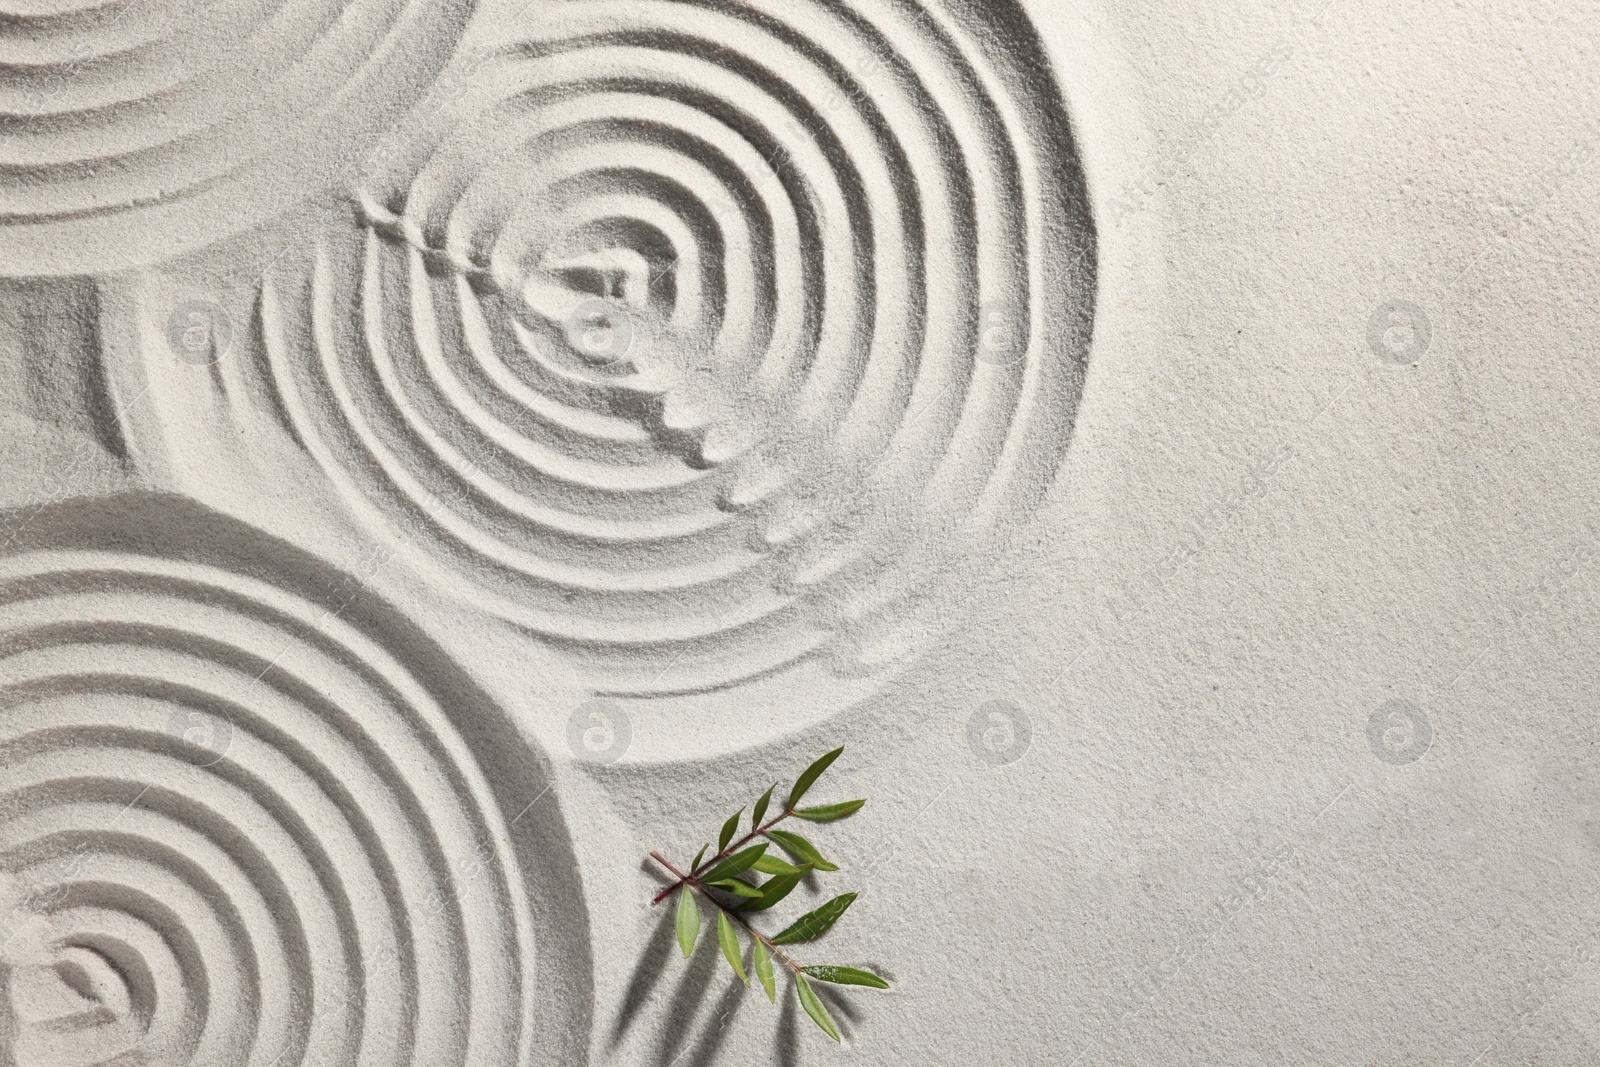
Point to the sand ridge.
(700, 345)
(695, 335)
(264, 824)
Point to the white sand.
(456, 448)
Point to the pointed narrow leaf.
(802, 850)
(688, 920)
(773, 865)
(830, 812)
(813, 924)
(699, 855)
(810, 775)
(760, 811)
(729, 828)
(730, 945)
(813, 1006)
(773, 890)
(763, 964)
(737, 888)
(846, 976)
(737, 863)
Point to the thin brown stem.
(659, 858)
(691, 880)
(720, 856)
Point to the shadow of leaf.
(685, 1004)
(716, 1032)
(786, 1040)
(653, 963)
(845, 1013)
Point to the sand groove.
(113, 115)
(695, 336)
(235, 830)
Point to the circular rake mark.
(671, 336)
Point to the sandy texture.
(454, 448)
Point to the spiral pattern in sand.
(693, 336)
(233, 830)
(112, 106)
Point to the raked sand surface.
(455, 448)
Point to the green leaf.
(813, 1006)
(773, 865)
(737, 863)
(698, 855)
(810, 775)
(728, 830)
(688, 920)
(830, 812)
(761, 808)
(763, 963)
(802, 850)
(774, 890)
(730, 945)
(736, 887)
(813, 924)
(846, 976)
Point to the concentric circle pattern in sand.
(120, 106)
(234, 831)
(697, 337)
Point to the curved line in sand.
(849, 193)
(356, 868)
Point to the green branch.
(725, 881)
